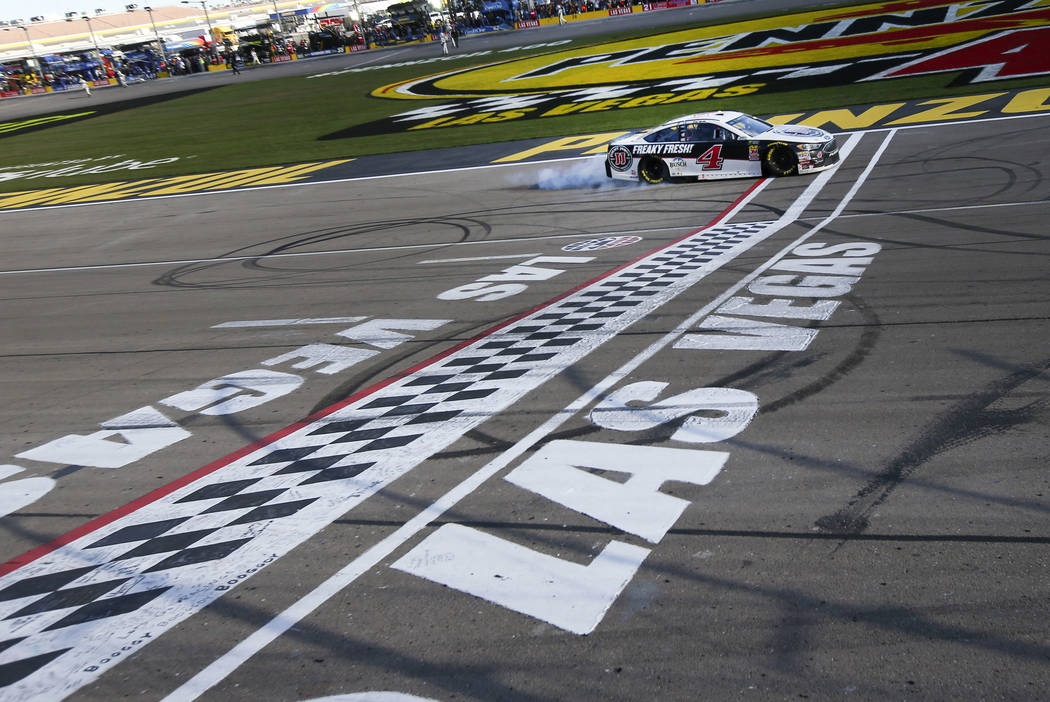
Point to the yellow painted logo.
(157, 187)
(808, 43)
(6, 127)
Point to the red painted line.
(884, 9)
(101, 521)
(892, 40)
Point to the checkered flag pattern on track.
(119, 587)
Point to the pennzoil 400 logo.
(977, 41)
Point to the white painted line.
(148, 198)
(517, 164)
(144, 568)
(378, 57)
(287, 322)
(223, 666)
(837, 212)
(330, 252)
(477, 258)
(935, 210)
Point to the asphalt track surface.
(384, 493)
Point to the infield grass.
(280, 120)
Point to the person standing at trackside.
(561, 14)
(443, 35)
(85, 86)
(233, 63)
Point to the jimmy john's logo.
(619, 158)
(967, 42)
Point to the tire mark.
(870, 333)
(968, 421)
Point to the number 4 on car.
(710, 145)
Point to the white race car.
(710, 145)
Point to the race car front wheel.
(779, 160)
(653, 170)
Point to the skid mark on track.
(966, 422)
(121, 583)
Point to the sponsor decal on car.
(661, 149)
(620, 158)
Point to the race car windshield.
(750, 125)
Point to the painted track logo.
(605, 242)
(972, 42)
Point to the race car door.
(717, 153)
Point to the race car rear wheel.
(779, 160)
(653, 170)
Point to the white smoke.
(585, 173)
(571, 174)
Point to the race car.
(710, 145)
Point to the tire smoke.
(575, 175)
(571, 174)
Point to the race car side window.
(705, 132)
(702, 131)
(663, 135)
